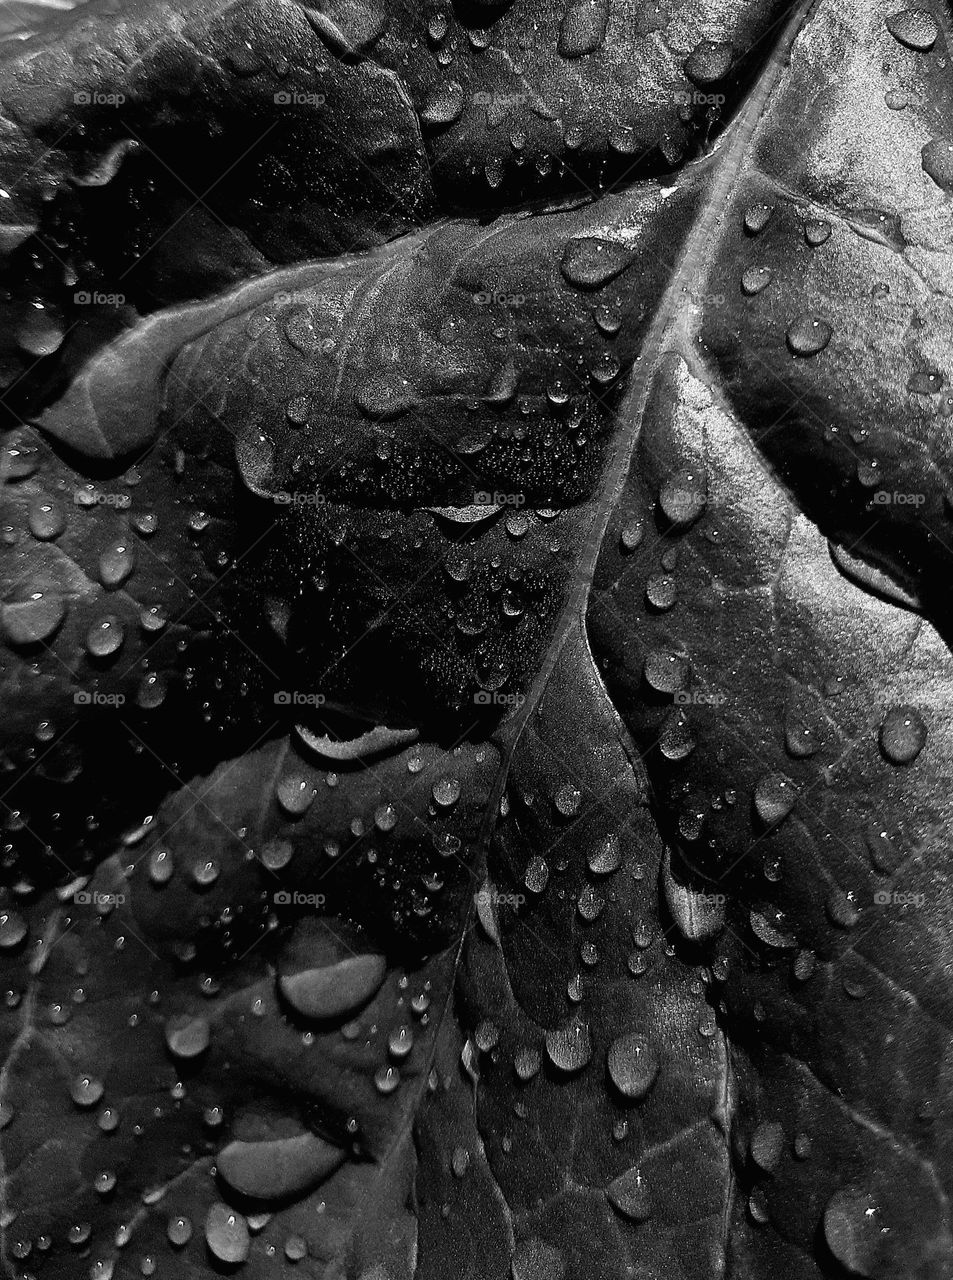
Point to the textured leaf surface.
(476, 683)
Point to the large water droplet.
(633, 1064)
(916, 28)
(583, 27)
(226, 1234)
(774, 798)
(280, 1168)
(335, 989)
(590, 263)
(46, 518)
(186, 1036)
(853, 1230)
(116, 563)
(808, 335)
(569, 1047)
(903, 734)
(629, 1195)
(709, 61)
(32, 616)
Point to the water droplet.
(606, 856)
(386, 1079)
(145, 523)
(903, 734)
(590, 263)
(105, 636)
(817, 232)
(536, 877)
(569, 1047)
(709, 61)
(443, 104)
(400, 1042)
(808, 335)
(757, 217)
(937, 160)
(800, 740)
(916, 28)
(632, 535)
(446, 792)
(854, 1230)
(276, 854)
(335, 989)
(661, 591)
(629, 1195)
(766, 1144)
(295, 793)
(179, 1231)
(769, 926)
(666, 672)
(46, 518)
(567, 799)
(842, 908)
(32, 616)
(151, 691)
(226, 1234)
(583, 27)
(296, 1248)
(526, 1062)
(774, 797)
(13, 930)
(633, 1065)
(278, 1169)
(86, 1091)
(754, 279)
(186, 1036)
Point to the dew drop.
(915, 28)
(105, 636)
(46, 518)
(226, 1234)
(774, 798)
(32, 616)
(808, 335)
(903, 735)
(570, 1047)
(629, 1195)
(754, 279)
(116, 564)
(633, 1065)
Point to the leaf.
(537, 419)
